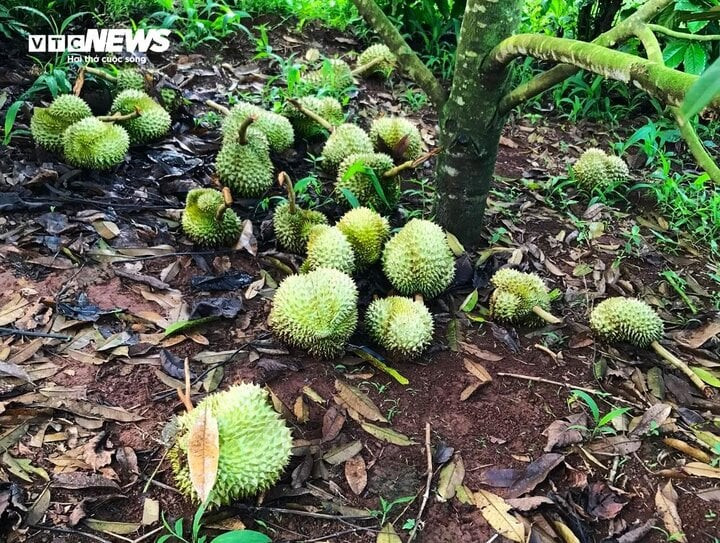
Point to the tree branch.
(408, 61)
(552, 77)
(659, 81)
(683, 35)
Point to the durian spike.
(101, 73)
(242, 131)
(312, 115)
(217, 107)
(410, 164)
(545, 315)
(678, 364)
(367, 66)
(79, 82)
(118, 117)
(227, 202)
(285, 181)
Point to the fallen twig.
(69, 531)
(426, 495)
(9, 331)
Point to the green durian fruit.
(48, 123)
(244, 164)
(347, 139)
(326, 107)
(334, 75)
(353, 175)
(170, 99)
(519, 297)
(617, 170)
(292, 228)
(626, 320)
(255, 444)
(595, 169)
(397, 137)
(277, 129)
(418, 259)
(385, 60)
(316, 311)
(400, 325)
(328, 247)
(153, 122)
(94, 144)
(367, 231)
(129, 78)
(200, 223)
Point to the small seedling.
(602, 422)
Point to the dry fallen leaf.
(356, 474)
(388, 535)
(357, 403)
(204, 453)
(387, 434)
(333, 422)
(700, 469)
(666, 503)
(495, 510)
(301, 411)
(450, 478)
(342, 453)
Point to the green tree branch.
(683, 35)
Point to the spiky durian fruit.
(519, 297)
(326, 107)
(400, 325)
(277, 129)
(170, 99)
(246, 167)
(334, 75)
(367, 231)
(358, 172)
(292, 228)
(617, 170)
(385, 60)
(397, 137)
(94, 144)
(627, 320)
(595, 169)
(347, 139)
(200, 222)
(254, 444)
(129, 78)
(316, 311)
(153, 121)
(48, 123)
(328, 247)
(418, 259)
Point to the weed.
(387, 506)
(602, 423)
(176, 532)
(415, 99)
(680, 286)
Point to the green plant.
(602, 423)
(176, 532)
(680, 286)
(415, 99)
(387, 506)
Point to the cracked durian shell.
(94, 144)
(400, 325)
(626, 320)
(328, 247)
(48, 123)
(200, 223)
(367, 231)
(387, 133)
(293, 229)
(316, 311)
(277, 129)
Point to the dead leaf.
(534, 474)
(151, 512)
(247, 238)
(357, 403)
(700, 469)
(603, 503)
(477, 370)
(203, 453)
(450, 478)
(698, 337)
(333, 422)
(120, 528)
(388, 535)
(495, 510)
(482, 354)
(565, 432)
(666, 502)
(356, 474)
(342, 453)
(387, 434)
(709, 494)
(83, 481)
(652, 419)
(39, 507)
(529, 503)
(301, 411)
(615, 446)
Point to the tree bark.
(470, 125)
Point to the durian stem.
(312, 115)
(410, 164)
(546, 316)
(242, 131)
(101, 73)
(367, 66)
(675, 362)
(117, 117)
(217, 107)
(285, 181)
(228, 201)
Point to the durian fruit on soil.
(277, 129)
(595, 169)
(94, 144)
(201, 223)
(367, 231)
(48, 123)
(358, 174)
(397, 137)
(347, 139)
(292, 224)
(334, 75)
(153, 122)
(400, 325)
(418, 259)
(382, 59)
(244, 164)
(520, 298)
(326, 107)
(129, 78)
(255, 444)
(316, 311)
(328, 247)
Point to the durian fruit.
(277, 129)
(94, 144)
(397, 137)
(291, 223)
(170, 99)
(316, 311)
(376, 60)
(48, 123)
(335, 75)
(153, 121)
(418, 259)
(201, 223)
(400, 325)
(520, 297)
(347, 139)
(129, 78)
(595, 169)
(358, 172)
(255, 444)
(328, 247)
(326, 107)
(367, 231)
(243, 163)
(633, 321)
